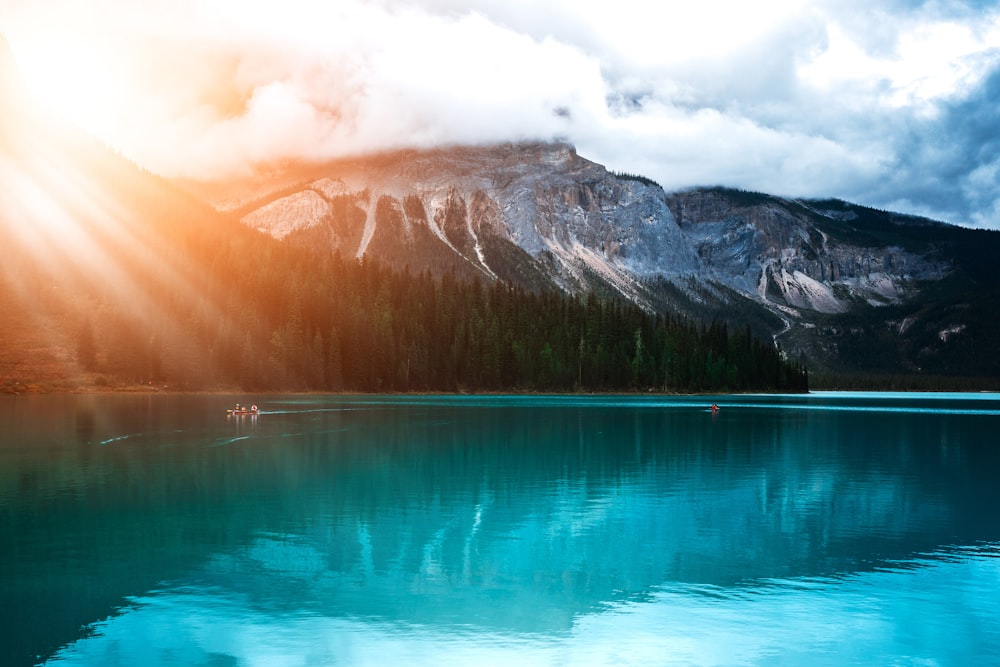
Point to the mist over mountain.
(112, 274)
(847, 289)
(114, 278)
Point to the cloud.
(214, 88)
(890, 103)
(950, 164)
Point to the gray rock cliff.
(541, 216)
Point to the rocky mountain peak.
(541, 216)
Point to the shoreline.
(141, 390)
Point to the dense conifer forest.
(357, 326)
(297, 320)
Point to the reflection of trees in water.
(86, 424)
(522, 518)
(516, 515)
(554, 507)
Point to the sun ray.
(87, 238)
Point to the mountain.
(114, 278)
(849, 290)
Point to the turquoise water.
(829, 529)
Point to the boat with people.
(243, 410)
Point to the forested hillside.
(337, 325)
(113, 278)
(280, 318)
(864, 297)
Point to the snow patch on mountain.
(599, 264)
(945, 334)
(366, 236)
(801, 291)
(476, 244)
(281, 217)
(436, 203)
(880, 289)
(330, 188)
(588, 228)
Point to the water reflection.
(870, 618)
(540, 529)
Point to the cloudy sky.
(890, 103)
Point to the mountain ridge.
(113, 270)
(540, 216)
(114, 278)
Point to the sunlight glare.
(73, 75)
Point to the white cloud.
(806, 97)
(708, 147)
(930, 61)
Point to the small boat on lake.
(243, 410)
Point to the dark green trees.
(289, 318)
(357, 326)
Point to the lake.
(827, 529)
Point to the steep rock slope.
(541, 216)
(536, 214)
(778, 249)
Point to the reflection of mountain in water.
(684, 624)
(523, 519)
(516, 517)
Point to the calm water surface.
(830, 529)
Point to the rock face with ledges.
(540, 216)
(778, 249)
(545, 206)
